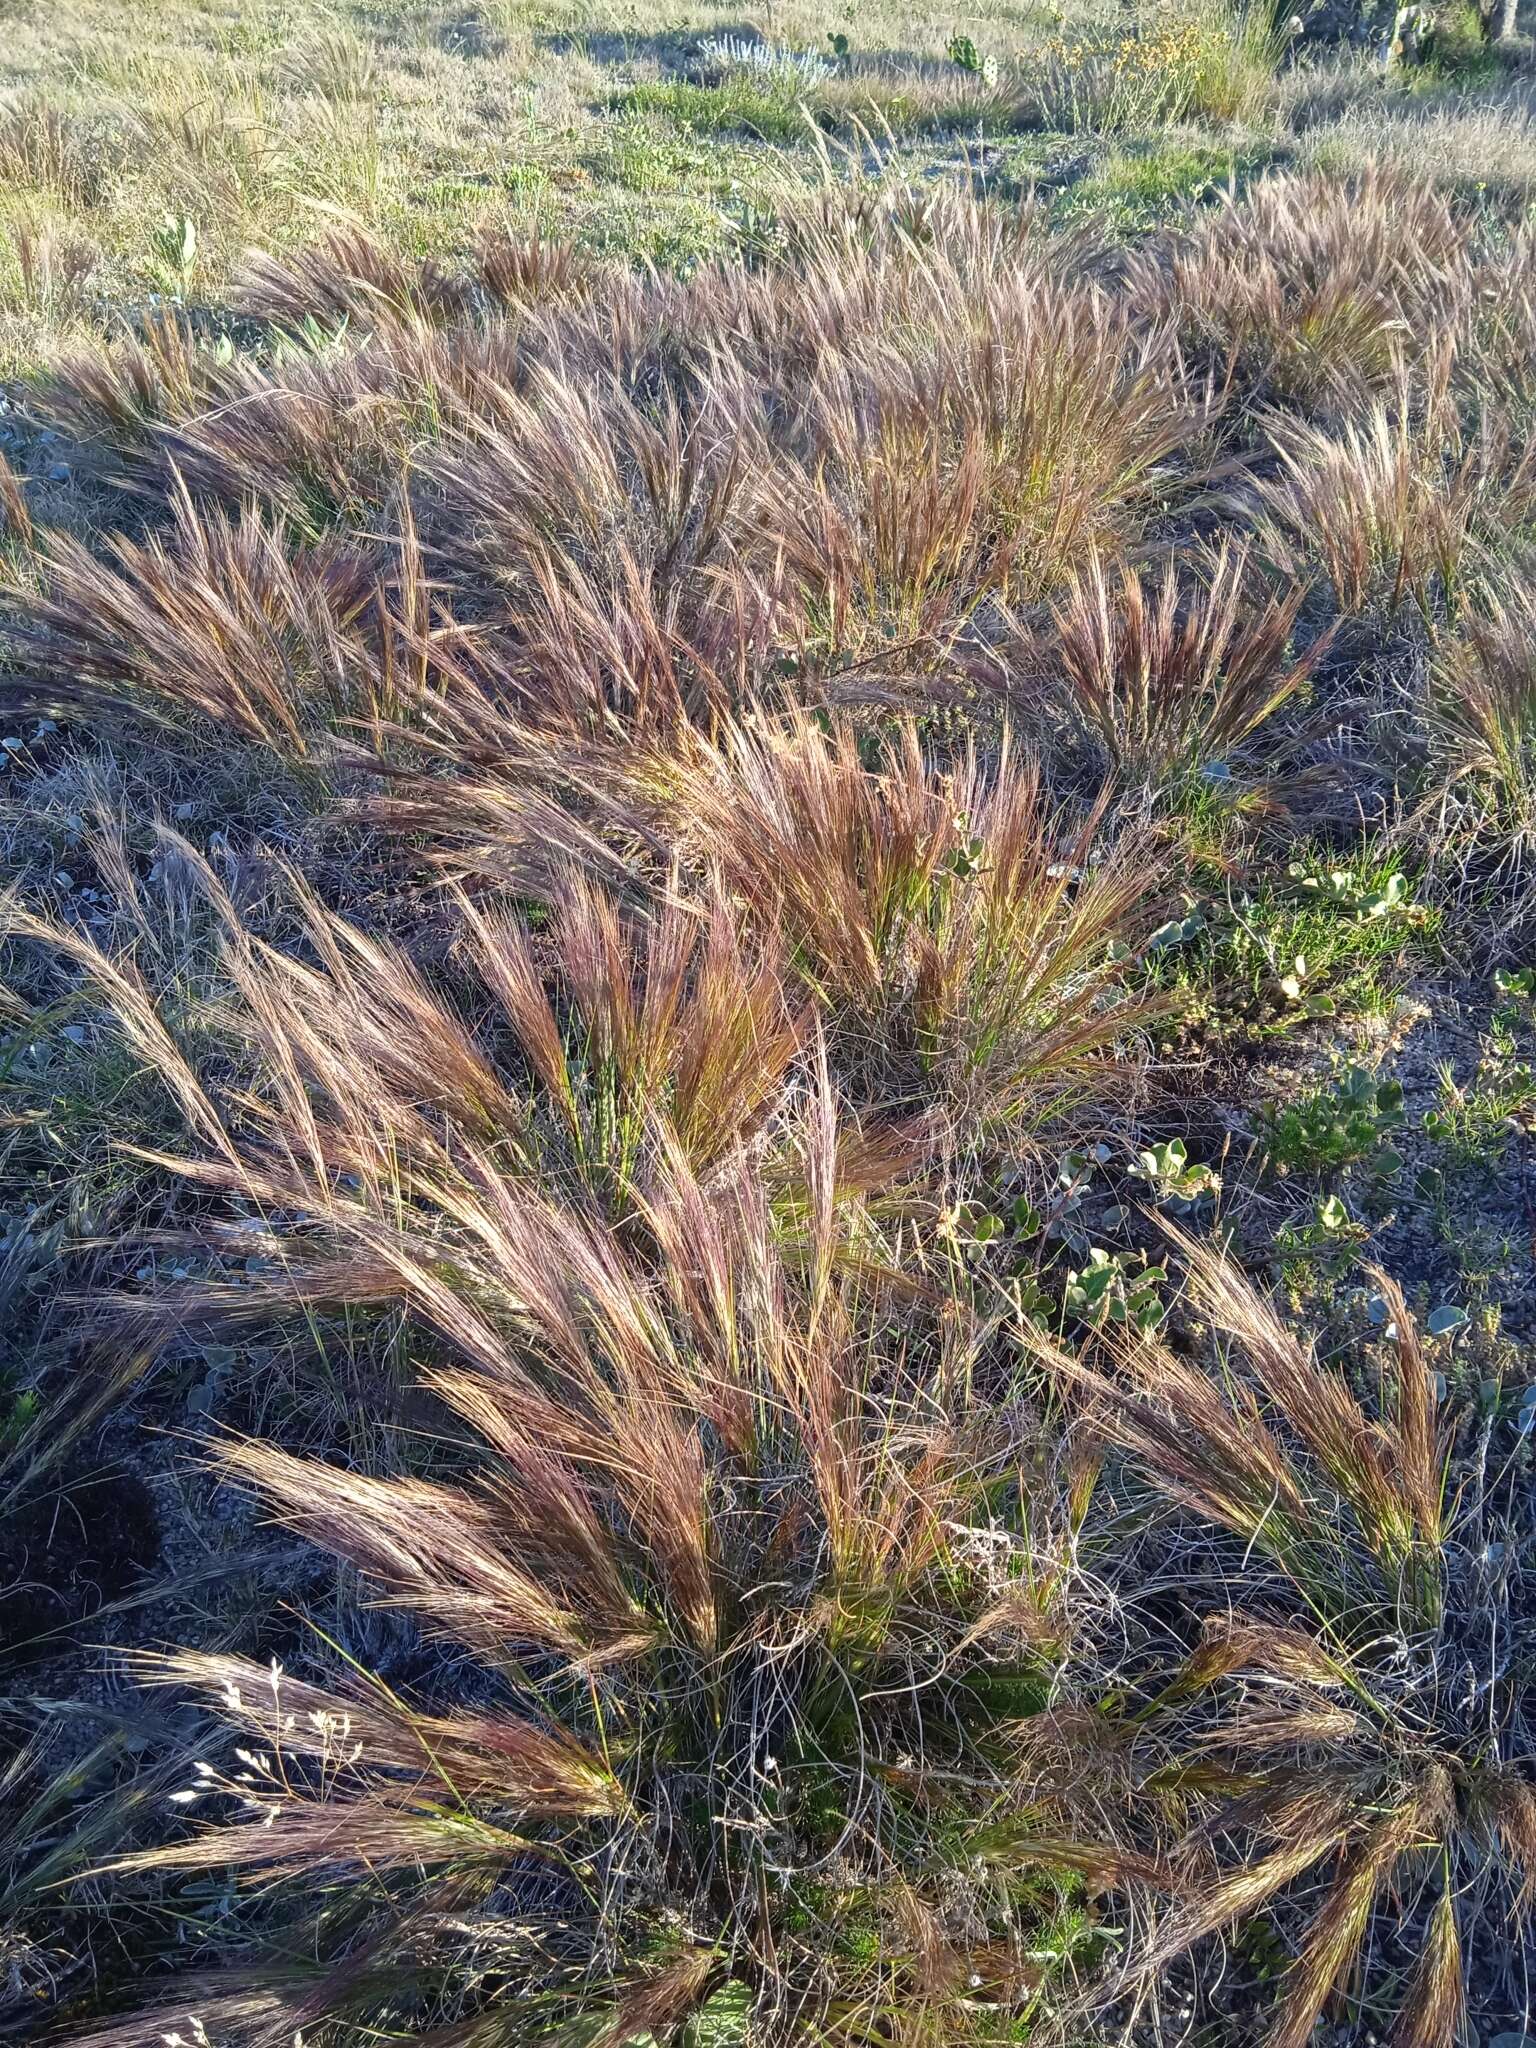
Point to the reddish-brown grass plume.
(1169, 673)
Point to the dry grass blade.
(15, 512)
(617, 530)
(1397, 508)
(519, 270)
(1308, 1823)
(44, 149)
(1339, 1928)
(673, 1020)
(1437, 1999)
(532, 1566)
(119, 398)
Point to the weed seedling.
(1113, 1288)
(1335, 1127)
(1174, 1183)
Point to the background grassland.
(256, 124)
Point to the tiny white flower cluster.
(200, 2037)
(196, 2029)
(254, 1787)
(262, 1784)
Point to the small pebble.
(59, 474)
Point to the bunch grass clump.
(725, 1508)
(1344, 1767)
(219, 619)
(967, 942)
(1168, 675)
(1483, 713)
(1314, 292)
(1399, 512)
